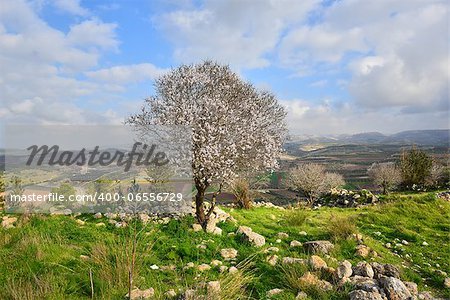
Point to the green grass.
(40, 259)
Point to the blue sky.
(338, 66)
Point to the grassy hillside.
(62, 257)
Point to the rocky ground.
(268, 252)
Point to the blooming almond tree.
(234, 126)
(313, 180)
(385, 175)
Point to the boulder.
(228, 253)
(344, 270)
(251, 237)
(309, 279)
(216, 263)
(197, 227)
(170, 294)
(447, 282)
(8, 222)
(204, 267)
(295, 244)
(137, 294)
(363, 269)
(412, 288)
(316, 263)
(391, 271)
(292, 260)
(363, 295)
(301, 296)
(394, 288)
(282, 235)
(362, 251)
(318, 247)
(273, 292)
(272, 259)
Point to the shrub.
(313, 180)
(241, 190)
(296, 217)
(340, 228)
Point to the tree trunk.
(199, 210)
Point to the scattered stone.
(362, 251)
(137, 294)
(100, 224)
(304, 233)
(197, 227)
(80, 222)
(344, 270)
(405, 242)
(363, 269)
(364, 295)
(189, 295)
(278, 241)
(412, 288)
(391, 271)
(216, 263)
(170, 294)
(272, 249)
(293, 260)
(98, 216)
(295, 243)
(301, 296)
(251, 237)
(309, 279)
(394, 288)
(228, 253)
(357, 237)
(217, 231)
(154, 267)
(318, 247)
(273, 292)
(204, 267)
(425, 244)
(232, 270)
(8, 222)
(189, 265)
(272, 260)
(447, 282)
(388, 245)
(316, 263)
(202, 246)
(84, 257)
(283, 235)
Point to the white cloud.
(241, 33)
(71, 6)
(396, 51)
(328, 118)
(40, 65)
(126, 73)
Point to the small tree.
(415, 167)
(385, 175)
(439, 175)
(313, 180)
(234, 126)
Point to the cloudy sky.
(338, 66)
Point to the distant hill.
(420, 137)
(437, 137)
